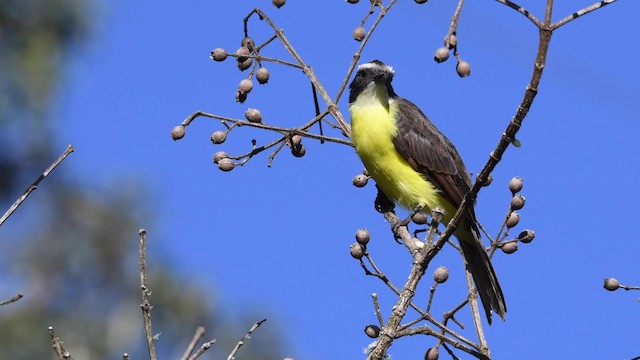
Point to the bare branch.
(58, 347)
(376, 306)
(285, 131)
(144, 289)
(192, 345)
(426, 330)
(15, 298)
(332, 107)
(203, 348)
(246, 336)
(475, 311)
(35, 184)
(522, 11)
(582, 12)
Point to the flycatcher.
(415, 165)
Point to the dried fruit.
(262, 75)
(419, 218)
(219, 156)
(517, 202)
(463, 68)
(442, 54)
(241, 97)
(357, 251)
(298, 151)
(245, 86)
(372, 331)
(515, 185)
(244, 65)
(242, 54)
(363, 236)
(178, 132)
(513, 219)
(218, 137)
(253, 115)
(453, 41)
(226, 164)
(359, 33)
(611, 284)
(296, 140)
(248, 43)
(432, 354)
(219, 54)
(360, 180)
(441, 275)
(527, 236)
(510, 247)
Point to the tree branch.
(582, 12)
(35, 184)
(12, 300)
(522, 11)
(58, 347)
(144, 289)
(192, 345)
(246, 336)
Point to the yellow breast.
(373, 128)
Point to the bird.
(417, 167)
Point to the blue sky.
(275, 241)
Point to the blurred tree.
(76, 260)
(36, 38)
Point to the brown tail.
(481, 270)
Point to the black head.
(372, 72)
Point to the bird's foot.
(382, 202)
(405, 222)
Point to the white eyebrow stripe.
(372, 65)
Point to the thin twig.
(58, 347)
(15, 298)
(453, 27)
(628, 287)
(376, 306)
(294, 131)
(203, 348)
(426, 330)
(334, 110)
(582, 12)
(475, 310)
(275, 152)
(192, 345)
(144, 289)
(246, 336)
(267, 59)
(451, 314)
(522, 11)
(432, 292)
(35, 184)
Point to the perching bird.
(414, 164)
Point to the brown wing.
(429, 152)
(432, 154)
